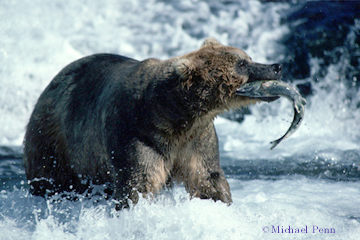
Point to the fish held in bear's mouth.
(270, 90)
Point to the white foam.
(297, 202)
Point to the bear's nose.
(277, 68)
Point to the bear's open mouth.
(251, 90)
(269, 99)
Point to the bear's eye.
(241, 63)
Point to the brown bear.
(138, 126)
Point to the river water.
(308, 187)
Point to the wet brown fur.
(137, 126)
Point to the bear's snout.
(257, 71)
(277, 68)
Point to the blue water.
(310, 181)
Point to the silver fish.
(273, 88)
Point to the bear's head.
(214, 72)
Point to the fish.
(268, 89)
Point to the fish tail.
(275, 143)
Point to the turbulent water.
(308, 187)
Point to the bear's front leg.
(201, 172)
(207, 182)
(147, 174)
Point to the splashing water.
(310, 180)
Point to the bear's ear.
(211, 42)
(183, 67)
(186, 68)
